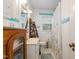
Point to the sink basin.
(42, 43)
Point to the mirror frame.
(11, 41)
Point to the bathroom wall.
(56, 32)
(10, 8)
(42, 17)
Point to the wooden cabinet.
(10, 35)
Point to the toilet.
(42, 46)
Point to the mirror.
(18, 49)
(14, 15)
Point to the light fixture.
(24, 11)
(26, 6)
(29, 11)
(23, 1)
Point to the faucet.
(47, 44)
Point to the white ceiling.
(43, 4)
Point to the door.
(67, 51)
(68, 29)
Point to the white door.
(68, 26)
(67, 52)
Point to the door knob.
(72, 45)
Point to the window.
(47, 27)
